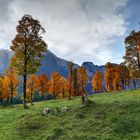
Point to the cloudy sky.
(77, 30)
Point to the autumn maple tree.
(132, 56)
(10, 84)
(55, 84)
(82, 79)
(63, 89)
(124, 75)
(109, 76)
(31, 87)
(28, 47)
(97, 82)
(75, 82)
(42, 85)
(70, 85)
(116, 79)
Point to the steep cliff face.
(51, 63)
(91, 68)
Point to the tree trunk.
(138, 59)
(63, 93)
(75, 83)
(134, 83)
(24, 91)
(42, 96)
(70, 89)
(85, 95)
(25, 74)
(84, 99)
(12, 99)
(70, 82)
(7, 101)
(54, 94)
(32, 99)
(123, 84)
(42, 90)
(1, 101)
(83, 88)
(70, 93)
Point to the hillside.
(107, 117)
(51, 63)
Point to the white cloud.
(80, 30)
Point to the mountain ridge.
(51, 63)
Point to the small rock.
(46, 111)
(64, 109)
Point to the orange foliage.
(31, 87)
(116, 77)
(97, 82)
(55, 84)
(10, 84)
(82, 80)
(63, 89)
(42, 85)
(2, 96)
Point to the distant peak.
(89, 64)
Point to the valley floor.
(108, 116)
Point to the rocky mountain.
(52, 63)
(5, 56)
(91, 68)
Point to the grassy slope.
(107, 117)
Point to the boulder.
(64, 109)
(46, 111)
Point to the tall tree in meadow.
(75, 82)
(109, 76)
(124, 75)
(63, 90)
(31, 87)
(28, 47)
(82, 79)
(116, 79)
(97, 82)
(132, 56)
(55, 84)
(10, 84)
(70, 80)
(42, 85)
(82, 83)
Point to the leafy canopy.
(28, 46)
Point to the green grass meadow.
(108, 116)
